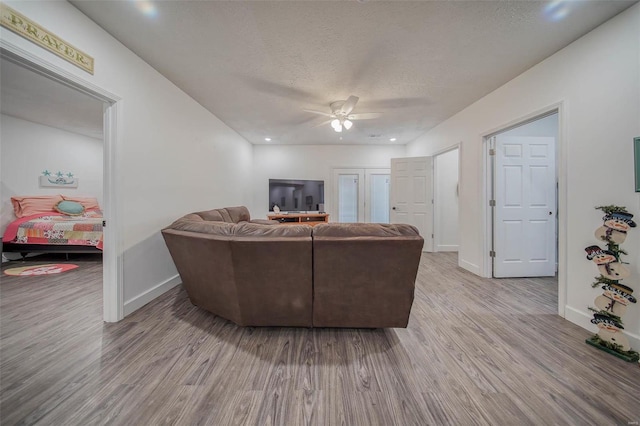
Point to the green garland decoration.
(612, 209)
(602, 280)
(606, 314)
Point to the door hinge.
(492, 253)
(492, 151)
(104, 223)
(492, 203)
(431, 235)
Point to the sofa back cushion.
(210, 215)
(228, 214)
(364, 274)
(194, 223)
(361, 230)
(252, 274)
(238, 214)
(203, 227)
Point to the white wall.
(173, 156)
(313, 162)
(597, 80)
(545, 126)
(446, 201)
(27, 149)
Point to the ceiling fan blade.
(365, 115)
(349, 104)
(324, 123)
(319, 112)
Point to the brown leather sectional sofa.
(259, 273)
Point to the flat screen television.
(296, 195)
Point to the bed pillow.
(88, 202)
(27, 206)
(71, 208)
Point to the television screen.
(296, 195)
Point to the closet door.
(349, 195)
(377, 182)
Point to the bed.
(39, 228)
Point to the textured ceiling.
(258, 65)
(30, 96)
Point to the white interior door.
(349, 195)
(411, 195)
(525, 207)
(361, 195)
(377, 182)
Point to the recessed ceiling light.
(267, 139)
(147, 8)
(392, 140)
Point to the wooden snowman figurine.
(612, 304)
(610, 330)
(616, 225)
(608, 264)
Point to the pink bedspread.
(57, 229)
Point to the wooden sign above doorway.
(24, 27)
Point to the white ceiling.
(257, 65)
(30, 96)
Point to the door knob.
(393, 208)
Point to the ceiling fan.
(341, 114)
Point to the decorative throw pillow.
(88, 202)
(71, 208)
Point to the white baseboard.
(469, 267)
(140, 300)
(583, 319)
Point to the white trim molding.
(140, 300)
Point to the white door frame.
(435, 189)
(561, 159)
(112, 278)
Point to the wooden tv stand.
(300, 218)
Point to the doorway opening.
(445, 199)
(112, 252)
(523, 198)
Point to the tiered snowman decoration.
(616, 297)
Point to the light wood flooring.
(476, 352)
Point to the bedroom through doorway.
(51, 150)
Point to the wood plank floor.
(476, 352)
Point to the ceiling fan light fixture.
(347, 124)
(336, 125)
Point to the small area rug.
(35, 270)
